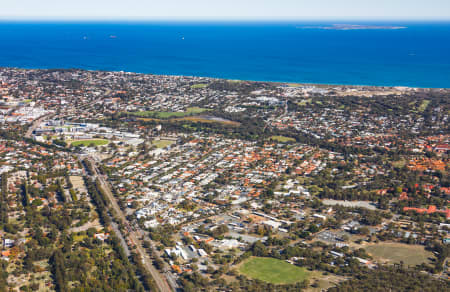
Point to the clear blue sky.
(225, 9)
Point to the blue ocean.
(305, 52)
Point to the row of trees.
(4, 200)
(3, 275)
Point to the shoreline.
(300, 83)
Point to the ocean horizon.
(372, 53)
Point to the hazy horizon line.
(216, 19)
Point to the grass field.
(96, 142)
(282, 139)
(166, 115)
(411, 255)
(304, 102)
(162, 143)
(200, 85)
(79, 238)
(423, 106)
(294, 84)
(399, 163)
(204, 120)
(194, 119)
(273, 270)
(149, 120)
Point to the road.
(34, 125)
(133, 235)
(123, 242)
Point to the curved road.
(34, 125)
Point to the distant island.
(352, 27)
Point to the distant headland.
(352, 27)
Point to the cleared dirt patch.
(78, 184)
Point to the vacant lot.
(162, 143)
(411, 255)
(351, 204)
(322, 281)
(282, 139)
(89, 142)
(273, 271)
(78, 184)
